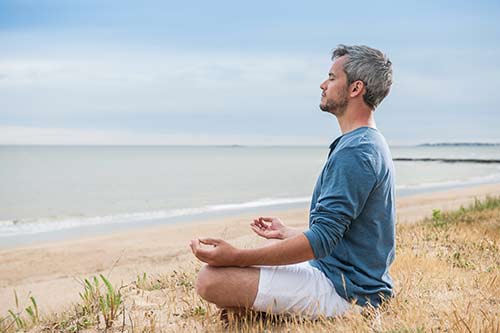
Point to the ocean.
(63, 190)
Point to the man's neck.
(353, 119)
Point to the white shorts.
(298, 289)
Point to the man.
(345, 255)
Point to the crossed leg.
(228, 287)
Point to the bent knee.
(207, 282)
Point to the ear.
(357, 88)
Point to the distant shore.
(447, 160)
(50, 271)
(459, 144)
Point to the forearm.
(289, 251)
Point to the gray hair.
(370, 66)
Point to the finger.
(203, 254)
(261, 224)
(256, 229)
(194, 244)
(210, 241)
(268, 234)
(258, 226)
(267, 219)
(257, 221)
(200, 253)
(259, 232)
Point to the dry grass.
(447, 279)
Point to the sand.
(51, 272)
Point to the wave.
(11, 228)
(492, 178)
(447, 160)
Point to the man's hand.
(272, 227)
(220, 253)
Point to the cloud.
(448, 89)
(230, 97)
(158, 82)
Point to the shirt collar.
(337, 140)
(334, 144)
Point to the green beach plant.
(149, 283)
(17, 318)
(442, 219)
(90, 296)
(97, 303)
(437, 218)
(141, 281)
(490, 202)
(3, 325)
(32, 311)
(109, 303)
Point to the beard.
(336, 107)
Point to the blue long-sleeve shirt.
(352, 217)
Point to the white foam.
(492, 178)
(11, 228)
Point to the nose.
(322, 86)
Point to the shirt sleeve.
(347, 182)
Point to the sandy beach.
(51, 272)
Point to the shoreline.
(51, 271)
(82, 231)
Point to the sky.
(229, 72)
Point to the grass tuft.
(109, 303)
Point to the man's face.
(334, 98)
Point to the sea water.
(46, 189)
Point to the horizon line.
(243, 145)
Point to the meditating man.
(345, 255)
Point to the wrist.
(241, 258)
(287, 233)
